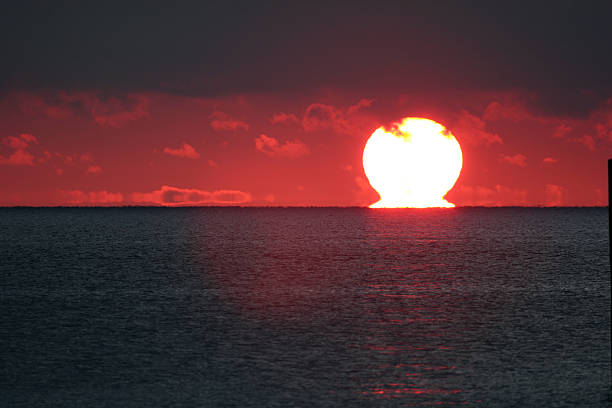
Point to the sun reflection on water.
(386, 328)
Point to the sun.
(414, 164)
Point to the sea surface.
(299, 307)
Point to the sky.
(271, 103)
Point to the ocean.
(305, 307)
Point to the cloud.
(554, 195)
(92, 197)
(511, 111)
(363, 103)
(284, 118)
(471, 129)
(319, 116)
(586, 140)
(212, 163)
(604, 130)
(186, 150)
(35, 104)
(85, 158)
(550, 160)
(20, 156)
(83, 161)
(603, 119)
(66, 158)
(516, 160)
(21, 142)
(104, 109)
(222, 121)
(116, 111)
(271, 147)
(516, 107)
(94, 169)
(46, 156)
(562, 130)
(16, 143)
(28, 138)
(175, 196)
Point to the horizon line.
(294, 206)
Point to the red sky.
(263, 127)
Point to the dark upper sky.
(558, 49)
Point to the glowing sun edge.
(414, 164)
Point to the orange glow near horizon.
(414, 164)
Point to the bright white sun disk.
(413, 165)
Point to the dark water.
(305, 307)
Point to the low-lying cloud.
(90, 197)
(177, 196)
